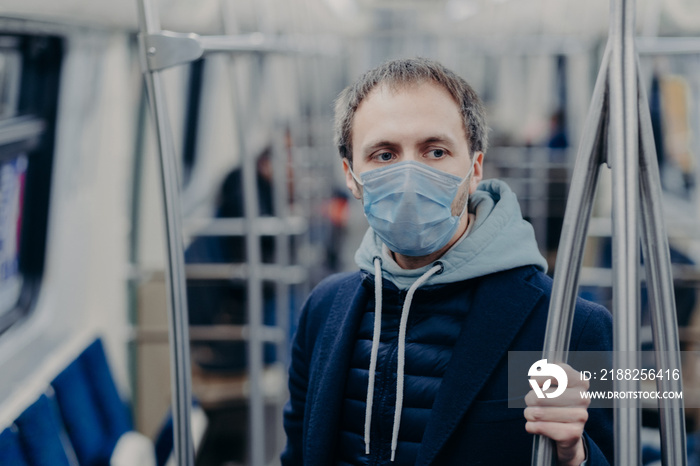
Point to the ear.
(478, 173)
(350, 181)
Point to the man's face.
(419, 122)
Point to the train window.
(12, 176)
(29, 73)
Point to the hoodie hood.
(499, 239)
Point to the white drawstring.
(437, 268)
(375, 346)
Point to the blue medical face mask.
(409, 206)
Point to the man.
(405, 361)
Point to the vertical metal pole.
(573, 238)
(629, 122)
(280, 203)
(134, 252)
(282, 295)
(254, 304)
(624, 155)
(304, 155)
(281, 208)
(657, 264)
(183, 449)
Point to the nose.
(412, 154)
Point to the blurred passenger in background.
(335, 212)
(558, 138)
(405, 361)
(224, 302)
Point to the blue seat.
(115, 413)
(42, 436)
(85, 428)
(10, 448)
(82, 421)
(93, 413)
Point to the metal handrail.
(618, 115)
(180, 374)
(165, 49)
(668, 45)
(212, 333)
(623, 156)
(661, 294)
(590, 156)
(160, 50)
(287, 274)
(267, 226)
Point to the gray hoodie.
(499, 239)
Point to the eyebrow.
(438, 138)
(368, 150)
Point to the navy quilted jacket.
(435, 319)
(455, 411)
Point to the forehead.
(397, 90)
(405, 110)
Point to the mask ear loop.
(471, 170)
(467, 178)
(347, 164)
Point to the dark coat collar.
(503, 301)
(329, 370)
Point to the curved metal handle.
(180, 372)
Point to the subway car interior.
(170, 193)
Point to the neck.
(416, 262)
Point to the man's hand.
(561, 418)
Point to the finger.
(569, 442)
(566, 435)
(562, 415)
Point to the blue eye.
(385, 156)
(437, 153)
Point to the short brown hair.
(403, 72)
